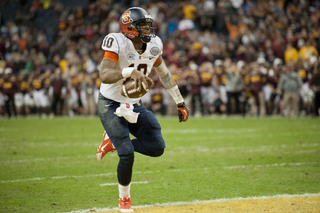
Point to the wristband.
(126, 72)
(176, 95)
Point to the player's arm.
(109, 73)
(168, 82)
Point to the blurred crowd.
(228, 57)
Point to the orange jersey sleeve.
(110, 56)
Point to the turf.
(49, 165)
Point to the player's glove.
(183, 112)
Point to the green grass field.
(49, 165)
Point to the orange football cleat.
(125, 204)
(105, 147)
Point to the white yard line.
(212, 131)
(270, 165)
(192, 149)
(58, 177)
(114, 184)
(156, 171)
(51, 144)
(200, 201)
(52, 158)
(209, 133)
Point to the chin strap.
(145, 40)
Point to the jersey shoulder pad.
(156, 46)
(112, 42)
(158, 42)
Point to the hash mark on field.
(173, 170)
(114, 184)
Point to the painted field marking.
(246, 148)
(52, 158)
(58, 177)
(213, 131)
(172, 170)
(217, 134)
(191, 149)
(270, 165)
(199, 202)
(113, 184)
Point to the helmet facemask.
(144, 29)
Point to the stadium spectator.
(193, 79)
(290, 53)
(272, 103)
(207, 92)
(157, 101)
(89, 103)
(290, 83)
(47, 34)
(218, 107)
(59, 90)
(308, 50)
(257, 80)
(8, 88)
(22, 96)
(233, 87)
(235, 27)
(315, 88)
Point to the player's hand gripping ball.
(128, 89)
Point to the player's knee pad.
(156, 152)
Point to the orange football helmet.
(136, 22)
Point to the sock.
(124, 191)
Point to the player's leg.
(118, 131)
(147, 130)
(105, 147)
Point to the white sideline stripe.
(58, 177)
(217, 131)
(113, 184)
(246, 148)
(51, 144)
(191, 149)
(270, 165)
(233, 132)
(200, 201)
(42, 159)
(172, 170)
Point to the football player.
(132, 54)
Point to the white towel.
(126, 111)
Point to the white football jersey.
(129, 57)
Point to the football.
(129, 91)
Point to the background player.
(132, 54)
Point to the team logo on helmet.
(126, 17)
(154, 51)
